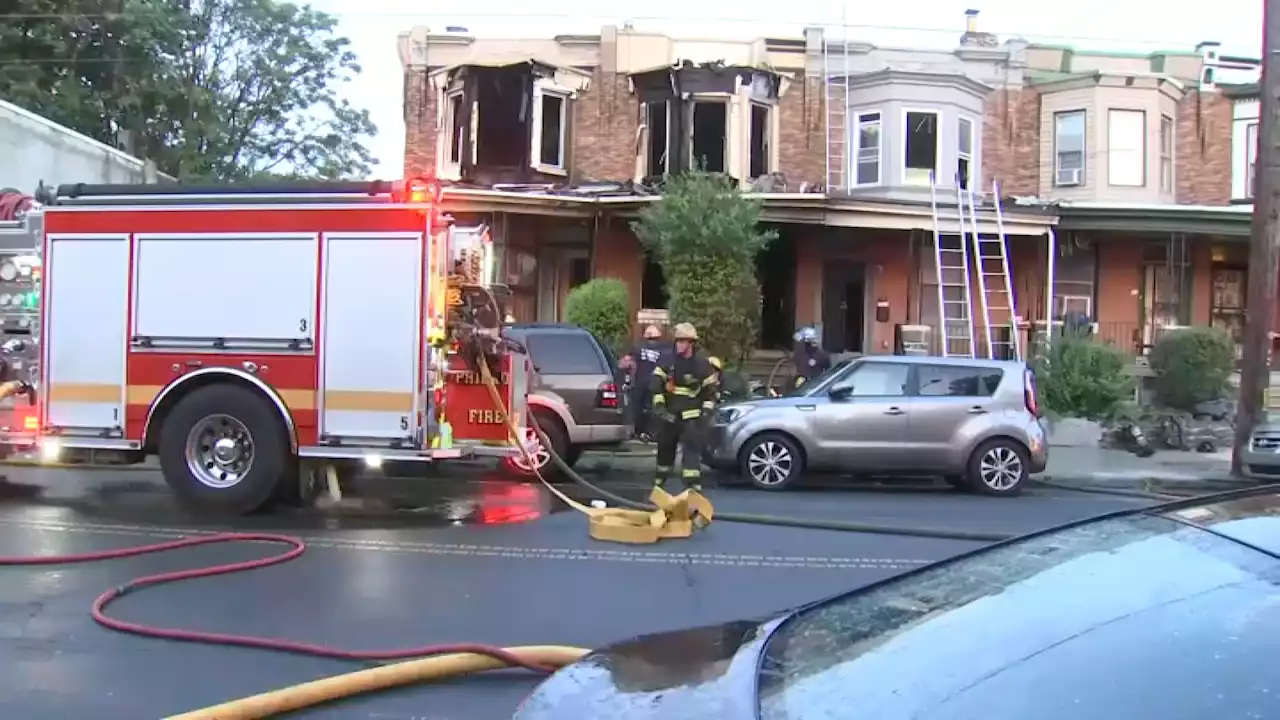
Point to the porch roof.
(1231, 221)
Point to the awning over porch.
(1231, 222)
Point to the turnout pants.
(685, 436)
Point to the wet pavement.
(462, 556)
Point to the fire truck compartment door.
(86, 332)
(369, 349)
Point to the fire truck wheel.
(224, 448)
(550, 425)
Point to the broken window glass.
(455, 128)
(759, 140)
(922, 147)
(657, 118)
(710, 135)
(551, 144)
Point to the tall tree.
(219, 89)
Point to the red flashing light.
(421, 190)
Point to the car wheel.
(771, 461)
(520, 466)
(224, 448)
(998, 467)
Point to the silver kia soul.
(973, 422)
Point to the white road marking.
(498, 551)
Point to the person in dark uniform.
(810, 359)
(684, 391)
(644, 358)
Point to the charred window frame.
(453, 125)
(708, 134)
(760, 161)
(548, 150)
(657, 121)
(966, 151)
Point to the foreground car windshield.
(818, 384)
(1116, 620)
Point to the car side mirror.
(842, 392)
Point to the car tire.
(999, 467)
(240, 476)
(519, 467)
(770, 461)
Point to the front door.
(864, 421)
(370, 350)
(843, 307)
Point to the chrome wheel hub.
(219, 451)
(770, 463)
(1000, 468)
(538, 453)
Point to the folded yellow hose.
(317, 692)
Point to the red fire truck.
(233, 331)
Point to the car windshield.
(819, 384)
(1113, 620)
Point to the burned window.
(921, 154)
(709, 135)
(502, 96)
(454, 123)
(657, 118)
(551, 140)
(964, 154)
(760, 136)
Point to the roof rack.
(247, 193)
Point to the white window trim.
(1250, 158)
(1142, 151)
(1168, 178)
(648, 140)
(1084, 144)
(725, 99)
(973, 150)
(938, 144)
(857, 147)
(535, 142)
(768, 135)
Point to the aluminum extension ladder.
(995, 285)
(955, 296)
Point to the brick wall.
(606, 117)
(419, 124)
(801, 145)
(1011, 141)
(1202, 158)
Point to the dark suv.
(575, 396)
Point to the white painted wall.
(33, 149)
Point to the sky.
(1123, 25)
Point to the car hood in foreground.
(706, 672)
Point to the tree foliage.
(216, 89)
(706, 235)
(601, 306)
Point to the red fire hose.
(296, 548)
(13, 203)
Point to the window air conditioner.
(1069, 176)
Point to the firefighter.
(643, 359)
(810, 360)
(684, 391)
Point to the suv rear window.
(565, 354)
(958, 380)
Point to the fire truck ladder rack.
(995, 286)
(951, 264)
(303, 192)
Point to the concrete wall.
(34, 149)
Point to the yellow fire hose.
(634, 522)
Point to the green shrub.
(601, 306)
(1077, 376)
(1192, 366)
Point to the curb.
(1150, 482)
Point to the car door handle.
(977, 410)
(894, 411)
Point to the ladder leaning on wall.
(952, 249)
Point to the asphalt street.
(464, 557)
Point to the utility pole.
(1264, 244)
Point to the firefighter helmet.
(685, 331)
(715, 363)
